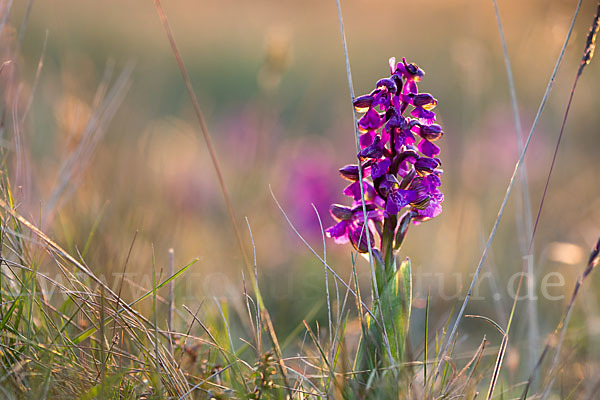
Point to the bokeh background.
(270, 76)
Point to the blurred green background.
(270, 76)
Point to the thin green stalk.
(154, 321)
(387, 247)
(425, 341)
(523, 214)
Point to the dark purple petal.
(407, 98)
(424, 100)
(349, 172)
(399, 84)
(380, 168)
(375, 150)
(374, 212)
(426, 164)
(387, 83)
(430, 132)
(429, 198)
(362, 103)
(420, 188)
(428, 148)
(412, 70)
(358, 238)
(408, 177)
(383, 99)
(341, 213)
(395, 123)
(385, 136)
(396, 101)
(391, 208)
(388, 185)
(407, 158)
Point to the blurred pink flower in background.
(304, 170)
(240, 134)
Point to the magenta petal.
(366, 139)
(424, 115)
(432, 181)
(338, 231)
(370, 121)
(385, 136)
(353, 190)
(434, 208)
(404, 138)
(428, 148)
(410, 87)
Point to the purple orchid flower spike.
(399, 183)
(401, 171)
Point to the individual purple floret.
(398, 159)
(351, 226)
